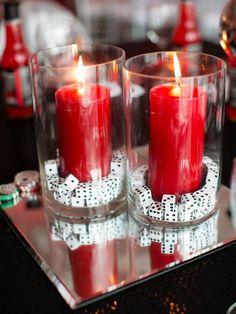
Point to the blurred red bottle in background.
(186, 35)
(16, 99)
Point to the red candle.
(94, 268)
(177, 119)
(84, 130)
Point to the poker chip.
(28, 182)
(28, 178)
(10, 203)
(8, 192)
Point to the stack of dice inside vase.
(70, 192)
(190, 207)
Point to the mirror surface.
(87, 261)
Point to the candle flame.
(80, 75)
(177, 69)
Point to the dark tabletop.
(206, 285)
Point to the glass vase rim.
(222, 68)
(118, 59)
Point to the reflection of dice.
(79, 228)
(55, 234)
(86, 239)
(143, 195)
(170, 236)
(187, 241)
(73, 242)
(167, 248)
(51, 167)
(156, 235)
(143, 238)
(65, 228)
(95, 227)
(155, 211)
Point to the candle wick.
(178, 82)
(80, 88)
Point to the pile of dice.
(77, 234)
(70, 192)
(188, 240)
(192, 206)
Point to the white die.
(143, 195)
(171, 213)
(64, 199)
(50, 167)
(77, 201)
(155, 211)
(117, 166)
(186, 213)
(73, 242)
(167, 248)
(70, 182)
(143, 208)
(51, 181)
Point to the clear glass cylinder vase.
(79, 119)
(174, 108)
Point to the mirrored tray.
(88, 261)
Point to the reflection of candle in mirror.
(159, 259)
(84, 128)
(177, 119)
(94, 268)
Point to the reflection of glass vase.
(174, 171)
(92, 251)
(79, 126)
(168, 246)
